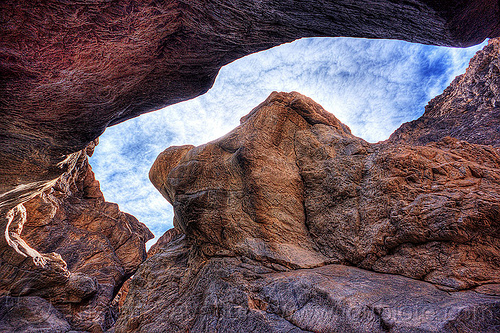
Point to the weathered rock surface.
(101, 246)
(276, 214)
(157, 247)
(30, 314)
(178, 290)
(291, 185)
(69, 69)
(469, 109)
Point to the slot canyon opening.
(372, 86)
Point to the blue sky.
(373, 86)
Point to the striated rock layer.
(94, 248)
(286, 223)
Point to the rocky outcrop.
(289, 221)
(30, 314)
(70, 69)
(94, 248)
(469, 109)
(272, 208)
(292, 185)
(177, 291)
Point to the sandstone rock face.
(469, 109)
(70, 69)
(292, 186)
(176, 291)
(276, 215)
(101, 246)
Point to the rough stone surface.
(98, 247)
(30, 314)
(71, 68)
(166, 238)
(273, 218)
(178, 291)
(292, 186)
(469, 109)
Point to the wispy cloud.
(371, 85)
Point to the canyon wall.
(69, 69)
(469, 109)
(94, 248)
(289, 223)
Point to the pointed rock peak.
(308, 109)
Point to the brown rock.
(163, 241)
(101, 245)
(292, 186)
(177, 291)
(269, 210)
(218, 191)
(70, 69)
(30, 314)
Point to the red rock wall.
(70, 69)
(101, 246)
(278, 213)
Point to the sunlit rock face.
(95, 248)
(291, 185)
(70, 69)
(287, 222)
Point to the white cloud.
(371, 85)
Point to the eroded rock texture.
(177, 291)
(94, 246)
(71, 68)
(30, 314)
(288, 221)
(291, 185)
